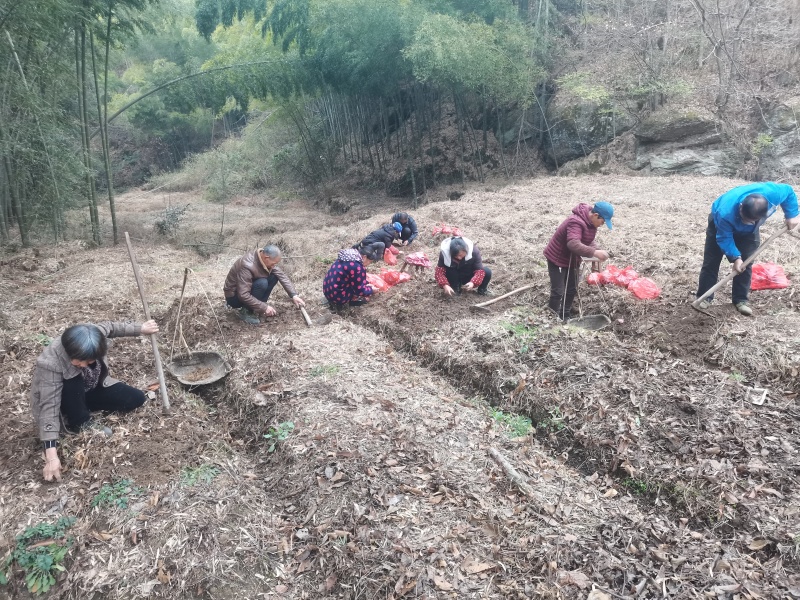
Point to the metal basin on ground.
(199, 368)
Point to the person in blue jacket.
(733, 232)
(410, 231)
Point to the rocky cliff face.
(675, 141)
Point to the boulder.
(668, 126)
(783, 117)
(684, 141)
(719, 161)
(777, 147)
(577, 127)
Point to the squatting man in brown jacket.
(251, 280)
(71, 379)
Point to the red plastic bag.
(419, 259)
(610, 274)
(377, 282)
(627, 276)
(389, 257)
(617, 276)
(594, 278)
(392, 278)
(768, 276)
(446, 230)
(644, 288)
(394, 249)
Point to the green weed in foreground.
(324, 370)
(42, 339)
(554, 422)
(204, 473)
(516, 424)
(39, 552)
(278, 434)
(636, 486)
(522, 334)
(116, 494)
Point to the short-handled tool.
(732, 274)
(322, 320)
(305, 316)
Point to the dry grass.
(650, 467)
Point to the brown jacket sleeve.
(285, 281)
(52, 367)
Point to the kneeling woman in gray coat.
(71, 379)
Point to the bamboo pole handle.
(178, 318)
(305, 316)
(511, 293)
(162, 384)
(731, 275)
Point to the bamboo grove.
(372, 84)
(382, 84)
(54, 98)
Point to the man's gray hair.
(272, 251)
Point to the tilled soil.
(655, 469)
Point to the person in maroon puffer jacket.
(574, 239)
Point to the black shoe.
(485, 292)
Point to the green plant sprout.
(517, 424)
(204, 473)
(554, 422)
(278, 434)
(40, 551)
(116, 494)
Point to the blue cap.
(399, 228)
(605, 210)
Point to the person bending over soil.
(71, 379)
(384, 236)
(733, 232)
(346, 281)
(409, 232)
(460, 268)
(251, 281)
(573, 239)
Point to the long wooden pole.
(511, 293)
(156, 356)
(731, 275)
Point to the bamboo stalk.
(162, 384)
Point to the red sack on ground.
(377, 282)
(392, 278)
(394, 249)
(419, 259)
(627, 276)
(594, 278)
(446, 230)
(768, 276)
(644, 288)
(388, 257)
(610, 275)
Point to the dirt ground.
(653, 468)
